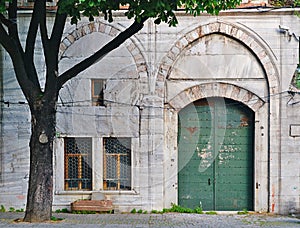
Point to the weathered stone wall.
(239, 54)
(15, 128)
(1, 117)
(15, 125)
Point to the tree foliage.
(161, 10)
(285, 3)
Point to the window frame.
(80, 162)
(98, 99)
(97, 167)
(118, 156)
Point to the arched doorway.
(216, 155)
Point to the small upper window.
(98, 92)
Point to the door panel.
(215, 155)
(191, 145)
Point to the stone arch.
(261, 106)
(216, 89)
(226, 90)
(253, 43)
(111, 31)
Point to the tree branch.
(44, 33)
(57, 32)
(31, 40)
(17, 58)
(17, 55)
(13, 28)
(113, 44)
(32, 32)
(51, 54)
(5, 21)
(5, 40)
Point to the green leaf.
(160, 10)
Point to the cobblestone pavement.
(156, 220)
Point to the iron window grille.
(117, 164)
(98, 86)
(78, 157)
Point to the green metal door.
(215, 155)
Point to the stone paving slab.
(174, 220)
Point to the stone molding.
(112, 31)
(248, 39)
(216, 89)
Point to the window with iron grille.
(117, 164)
(78, 161)
(98, 92)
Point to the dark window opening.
(98, 92)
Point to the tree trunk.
(40, 190)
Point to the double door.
(215, 155)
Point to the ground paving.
(174, 220)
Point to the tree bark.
(40, 191)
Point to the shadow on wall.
(292, 208)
